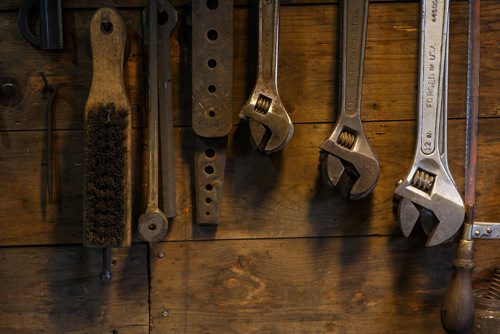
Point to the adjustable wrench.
(429, 188)
(347, 160)
(427, 218)
(270, 125)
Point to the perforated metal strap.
(212, 66)
(212, 75)
(210, 160)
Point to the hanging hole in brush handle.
(50, 36)
(106, 26)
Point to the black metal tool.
(51, 91)
(50, 34)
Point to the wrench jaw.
(352, 169)
(441, 203)
(337, 173)
(408, 215)
(270, 126)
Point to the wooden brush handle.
(108, 37)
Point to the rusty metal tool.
(51, 91)
(153, 224)
(212, 82)
(50, 35)
(167, 20)
(348, 162)
(428, 189)
(270, 126)
(457, 309)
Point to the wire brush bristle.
(105, 173)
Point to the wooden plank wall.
(290, 256)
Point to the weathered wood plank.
(28, 217)
(308, 56)
(79, 4)
(284, 196)
(264, 196)
(70, 71)
(58, 290)
(326, 285)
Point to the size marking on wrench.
(348, 162)
(270, 126)
(432, 54)
(429, 191)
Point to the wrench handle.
(165, 105)
(269, 17)
(354, 24)
(433, 37)
(152, 196)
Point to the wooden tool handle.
(457, 310)
(107, 36)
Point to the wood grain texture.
(58, 290)
(283, 195)
(326, 285)
(70, 71)
(28, 218)
(307, 67)
(312, 262)
(263, 197)
(308, 62)
(80, 4)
